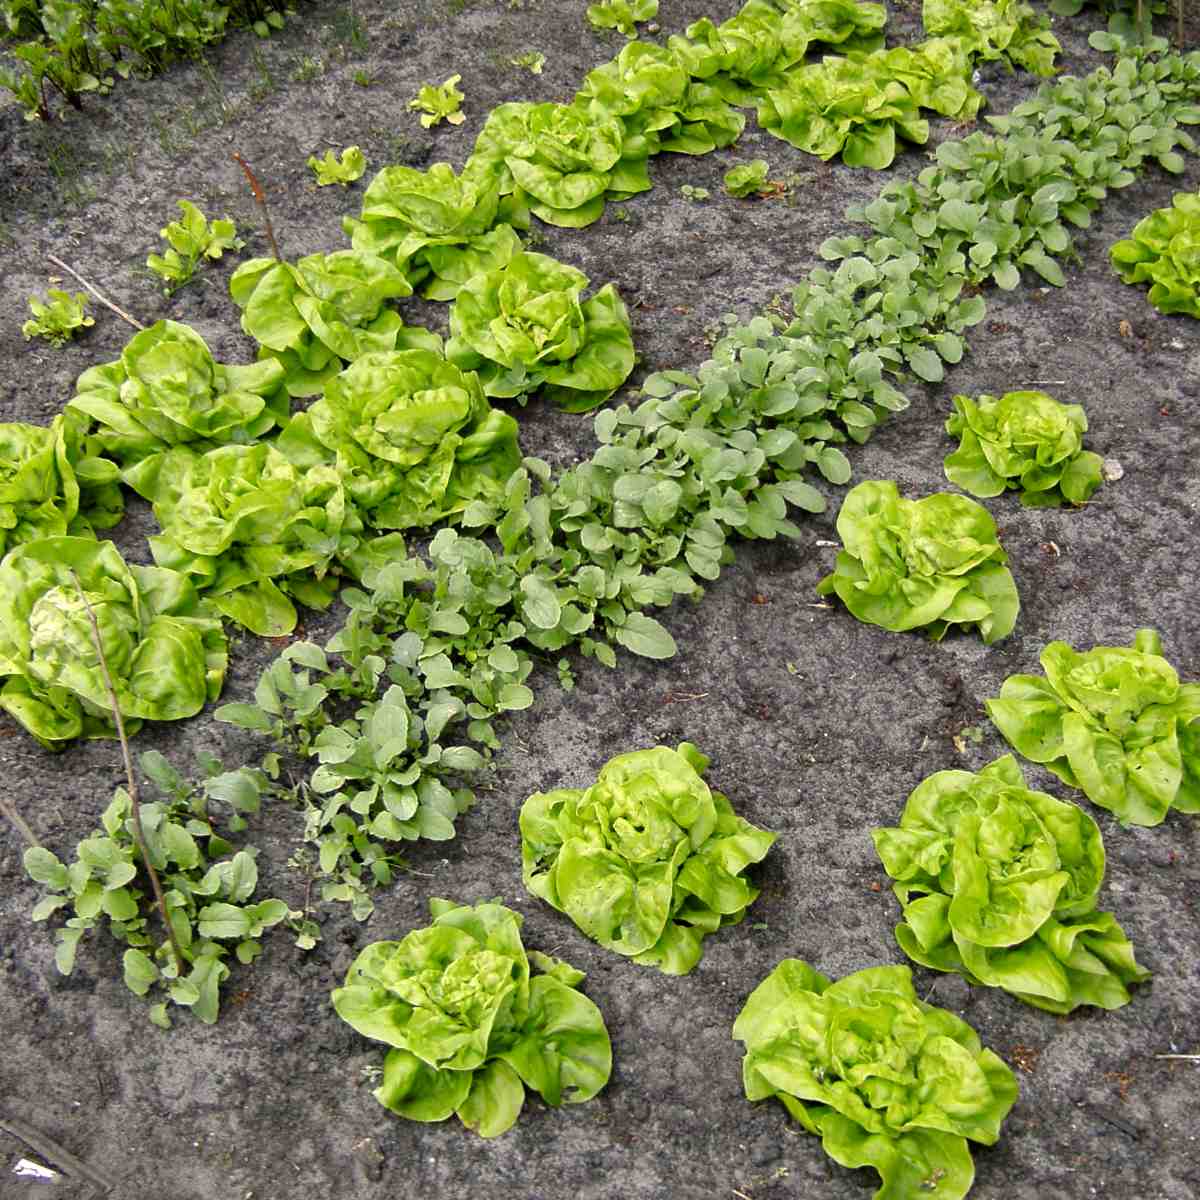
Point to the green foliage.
(885, 1080)
(57, 318)
(999, 883)
(208, 887)
(1114, 721)
(621, 15)
(995, 29)
(1026, 441)
(695, 194)
(647, 861)
(439, 102)
(1164, 251)
(343, 169)
(930, 563)
(39, 494)
(471, 1027)
(165, 649)
(529, 60)
(1130, 20)
(526, 328)
(747, 179)
(189, 240)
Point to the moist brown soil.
(818, 726)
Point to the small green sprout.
(439, 102)
(57, 318)
(531, 60)
(622, 15)
(750, 179)
(190, 239)
(330, 170)
(694, 194)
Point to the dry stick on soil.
(50, 1150)
(58, 262)
(260, 196)
(18, 822)
(135, 804)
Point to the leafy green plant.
(208, 888)
(189, 240)
(886, 1080)
(57, 318)
(647, 861)
(529, 60)
(526, 328)
(695, 194)
(999, 883)
(165, 647)
(621, 15)
(995, 29)
(933, 563)
(1114, 721)
(439, 102)
(747, 179)
(470, 1025)
(1025, 441)
(343, 169)
(1164, 251)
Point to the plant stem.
(260, 196)
(58, 262)
(18, 822)
(134, 802)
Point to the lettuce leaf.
(1164, 251)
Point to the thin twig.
(135, 804)
(261, 197)
(18, 822)
(1183, 1057)
(58, 262)
(49, 1149)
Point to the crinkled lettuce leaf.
(887, 1081)
(932, 563)
(999, 883)
(647, 861)
(1026, 441)
(410, 435)
(995, 29)
(470, 1027)
(527, 327)
(1164, 251)
(167, 390)
(1114, 721)
(165, 649)
(39, 495)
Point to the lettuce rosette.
(410, 435)
(885, 1080)
(436, 227)
(39, 495)
(558, 161)
(660, 107)
(995, 29)
(470, 1025)
(164, 648)
(324, 311)
(1026, 441)
(1164, 251)
(931, 563)
(1113, 721)
(251, 530)
(999, 883)
(167, 390)
(647, 861)
(937, 73)
(526, 327)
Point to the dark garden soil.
(818, 726)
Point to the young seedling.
(191, 239)
(344, 171)
(58, 318)
(439, 102)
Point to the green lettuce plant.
(439, 102)
(932, 563)
(621, 15)
(436, 227)
(748, 179)
(167, 390)
(1164, 251)
(190, 240)
(995, 29)
(322, 312)
(411, 436)
(884, 1079)
(999, 883)
(647, 861)
(39, 495)
(58, 318)
(1025, 441)
(344, 168)
(1114, 721)
(526, 327)
(165, 649)
(470, 1025)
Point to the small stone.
(1112, 470)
